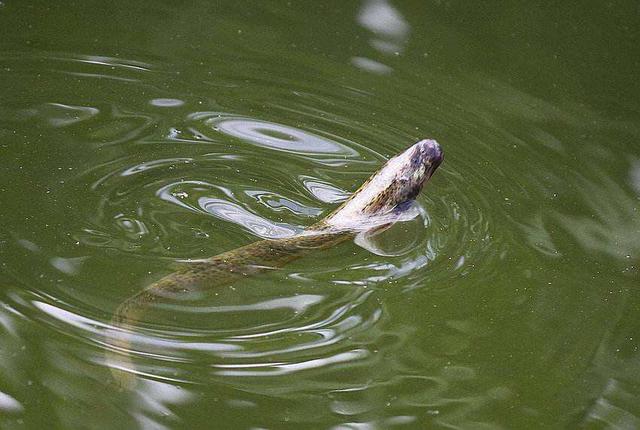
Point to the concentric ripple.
(278, 137)
(194, 183)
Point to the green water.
(137, 134)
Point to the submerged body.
(381, 201)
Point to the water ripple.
(175, 176)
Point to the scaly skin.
(227, 268)
(376, 205)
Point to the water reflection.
(166, 102)
(389, 27)
(184, 147)
(350, 357)
(278, 136)
(9, 405)
(370, 65)
(60, 115)
(110, 62)
(613, 227)
(324, 192)
(390, 33)
(634, 176)
(155, 403)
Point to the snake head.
(389, 190)
(402, 178)
(424, 158)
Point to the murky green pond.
(135, 135)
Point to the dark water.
(137, 134)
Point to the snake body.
(378, 203)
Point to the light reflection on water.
(276, 136)
(509, 304)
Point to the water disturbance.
(139, 137)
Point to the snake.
(382, 200)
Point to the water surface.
(135, 136)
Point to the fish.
(385, 198)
